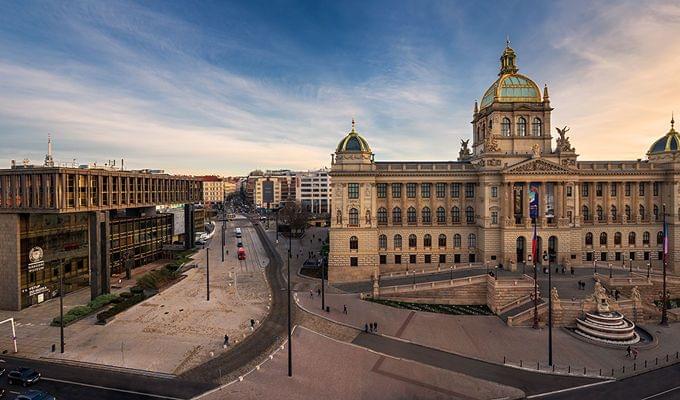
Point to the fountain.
(606, 326)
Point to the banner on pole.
(533, 200)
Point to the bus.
(241, 253)
(238, 232)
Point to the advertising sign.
(268, 192)
(533, 200)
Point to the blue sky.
(227, 87)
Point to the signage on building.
(533, 200)
(268, 192)
(35, 290)
(35, 256)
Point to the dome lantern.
(669, 143)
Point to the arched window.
(627, 211)
(382, 216)
(505, 127)
(645, 238)
(656, 212)
(353, 243)
(456, 240)
(426, 215)
(472, 240)
(631, 238)
(600, 214)
(586, 213)
(659, 238)
(612, 211)
(470, 215)
(603, 239)
(412, 241)
(441, 215)
(411, 215)
(442, 240)
(397, 241)
(427, 240)
(396, 215)
(521, 126)
(642, 211)
(589, 239)
(617, 239)
(353, 217)
(455, 215)
(382, 241)
(537, 127)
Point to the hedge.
(81, 311)
(453, 309)
(120, 307)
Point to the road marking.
(661, 393)
(158, 396)
(537, 396)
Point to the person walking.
(366, 328)
(628, 351)
(375, 327)
(252, 324)
(344, 309)
(318, 292)
(311, 294)
(572, 270)
(226, 341)
(635, 353)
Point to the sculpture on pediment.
(536, 150)
(464, 149)
(563, 141)
(491, 144)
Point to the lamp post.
(224, 222)
(594, 263)
(610, 270)
(664, 306)
(649, 267)
(207, 272)
(290, 343)
(61, 304)
(324, 261)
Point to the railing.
(514, 303)
(431, 270)
(387, 290)
(526, 314)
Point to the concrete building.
(271, 188)
(313, 190)
(213, 189)
(86, 222)
(396, 215)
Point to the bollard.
(645, 363)
(656, 361)
(600, 372)
(569, 370)
(503, 359)
(584, 370)
(612, 371)
(623, 369)
(538, 365)
(666, 357)
(634, 366)
(520, 363)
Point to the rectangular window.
(642, 189)
(656, 188)
(383, 259)
(428, 258)
(568, 191)
(411, 190)
(494, 217)
(354, 261)
(627, 188)
(612, 189)
(494, 191)
(425, 189)
(455, 190)
(396, 190)
(397, 258)
(353, 190)
(441, 190)
(598, 189)
(584, 190)
(412, 259)
(469, 190)
(617, 256)
(382, 190)
(631, 256)
(456, 258)
(646, 256)
(442, 258)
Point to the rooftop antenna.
(49, 161)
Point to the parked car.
(239, 244)
(2, 393)
(23, 376)
(2, 370)
(35, 395)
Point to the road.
(661, 384)
(76, 382)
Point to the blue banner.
(533, 200)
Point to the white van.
(238, 232)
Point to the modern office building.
(82, 222)
(313, 190)
(394, 215)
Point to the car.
(35, 395)
(2, 370)
(239, 244)
(23, 376)
(2, 393)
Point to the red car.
(241, 253)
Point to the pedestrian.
(635, 353)
(366, 328)
(226, 341)
(572, 271)
(311, 294)
(375, 326)
(579, 285)
(370, 326)
(628, 351)
(344, 309)
(563, 270)
(557, 269)
(318, 292)
(252, 324)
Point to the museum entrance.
(521, 249)
(552, 249)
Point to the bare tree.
(295, 216)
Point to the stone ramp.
(518, 310)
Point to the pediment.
(537, 166)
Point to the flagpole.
(534, 244)
(664, 299)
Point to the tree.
(295, 216)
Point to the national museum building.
(399, 215)
(87, 223)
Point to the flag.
(665, 238)
(534, 245)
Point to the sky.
(217, 87)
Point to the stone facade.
(9, 262)
(606, 211)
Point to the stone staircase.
(521, 310)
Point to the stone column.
(10, 272)
(100, 268)
(649, 196)
(635, 205)
(525, 204)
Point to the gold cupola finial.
(508, 60)
(672, 121)
(353, 126)
(507, 41)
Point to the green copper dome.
(353, 142)
(669, 143)
(511, 87)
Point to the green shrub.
(81, 311)
(157, 278)
(120, 307)
(125, 295)
(136, 290)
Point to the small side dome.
(669, 143)
(353, 142)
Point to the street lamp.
(290, 342)
(61, 303)
(664, 307)
(649, 267)
(610, 270)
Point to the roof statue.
(563, 141)
(464, 150)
